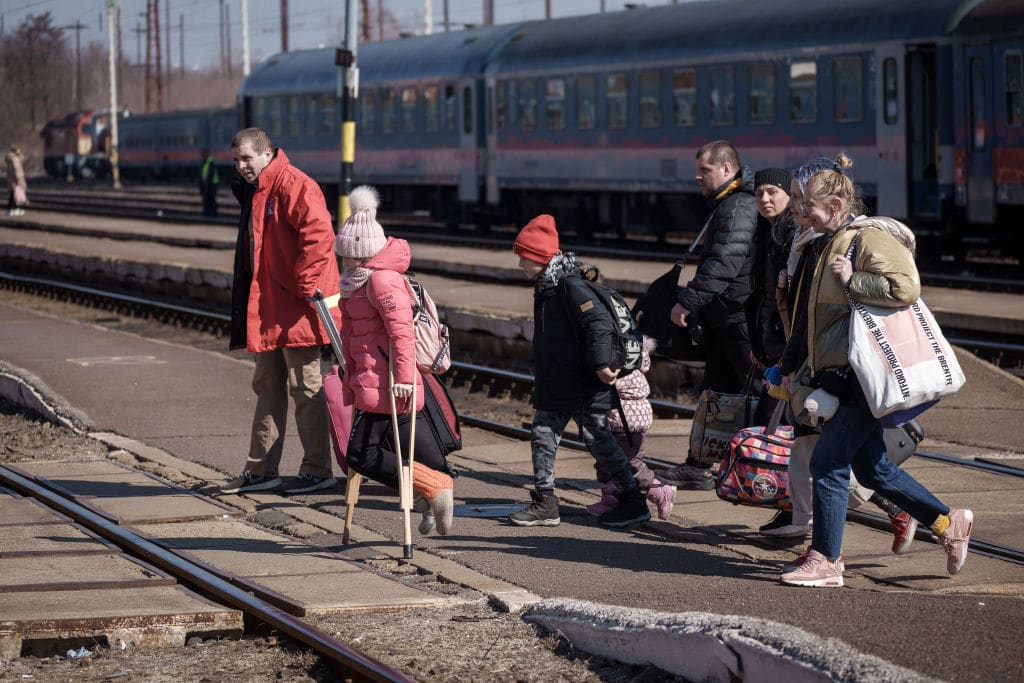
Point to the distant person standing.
(284, 253)
(16, 185)
(716, 297)
(209, 179)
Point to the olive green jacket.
(884, 274)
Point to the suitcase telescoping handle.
(320, 304)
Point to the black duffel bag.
(652, 310)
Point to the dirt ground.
(470, 642)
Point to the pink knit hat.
(361, 236)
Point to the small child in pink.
(633, 391)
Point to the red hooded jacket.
(292, 255)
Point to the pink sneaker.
(786, 568)
(663, 496)
(817, 571)
(608, 500)
(957, 538)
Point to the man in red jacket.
(283, 254)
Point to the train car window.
(501, 105)
(762, 93)
(586, 102)
(312, 115)
(554, 104)
(328, 113)
(276, 105)
(431, 109)
(684, 97)
(409, 110)
(891, 91)
(293, 117)
(1014, 80)
(721, 95)
(467, 110)
(847, 89)
(449, 108)
(803, 92)
(387, 110)
(526, 112)
(650, 99)
(615, 101)
(978, 117)
(368, 111)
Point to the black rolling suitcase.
(901, 442)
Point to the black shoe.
(248, 481)
(632, 508)
(689, 477)
(542, 512)
(782, 518)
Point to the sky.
(312, 23)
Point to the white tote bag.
(900, 356)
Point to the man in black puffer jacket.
(717, 294)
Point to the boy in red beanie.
(572, 347)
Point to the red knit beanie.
(538, 241)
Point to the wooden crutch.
(355, 479)
(404, 465)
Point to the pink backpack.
(433, 345)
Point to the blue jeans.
(853, 439)
(546, 433)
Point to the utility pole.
(167, 49)
(149, 56)
(488, 12)
(380, 20)
(547, 9)
(447, 24)
(223, 61)
(159, 70)
(181, 44)
(227, 37)
(245, 38)
(284, 25)
(428, 17)
(364, 15)
(112, 59)
(348, 91)
(76, 82)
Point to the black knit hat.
(779, 177)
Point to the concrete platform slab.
(50, 572)
(157, 616)
(17, 510)
(171, 507)
(355, 590)
(121, 485)
(70, 468)
(49, 539)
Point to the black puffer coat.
(568, 350)
(722, 284)
(767, 333)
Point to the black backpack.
(627, 348)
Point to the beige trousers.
(278, 374)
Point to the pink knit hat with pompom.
(361, 236)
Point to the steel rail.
(347, 659)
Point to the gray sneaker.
(306, 483)
(428, 522)
(248, 481)
(542, 512)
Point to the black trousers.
(371, 450)
(727, 361)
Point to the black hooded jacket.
(722, 284)
(242, 281)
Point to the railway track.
(347, 660)
(171, 205)
(217, 322)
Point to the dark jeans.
(371, 451)
(727, 360)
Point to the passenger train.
(597, 119)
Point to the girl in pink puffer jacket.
(377, 321)
(633, 391)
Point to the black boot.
(632, 508)
(542, 512)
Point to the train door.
(492, 114)
(922, 133)
(891, 126)
(468, 188)
(981, 204)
